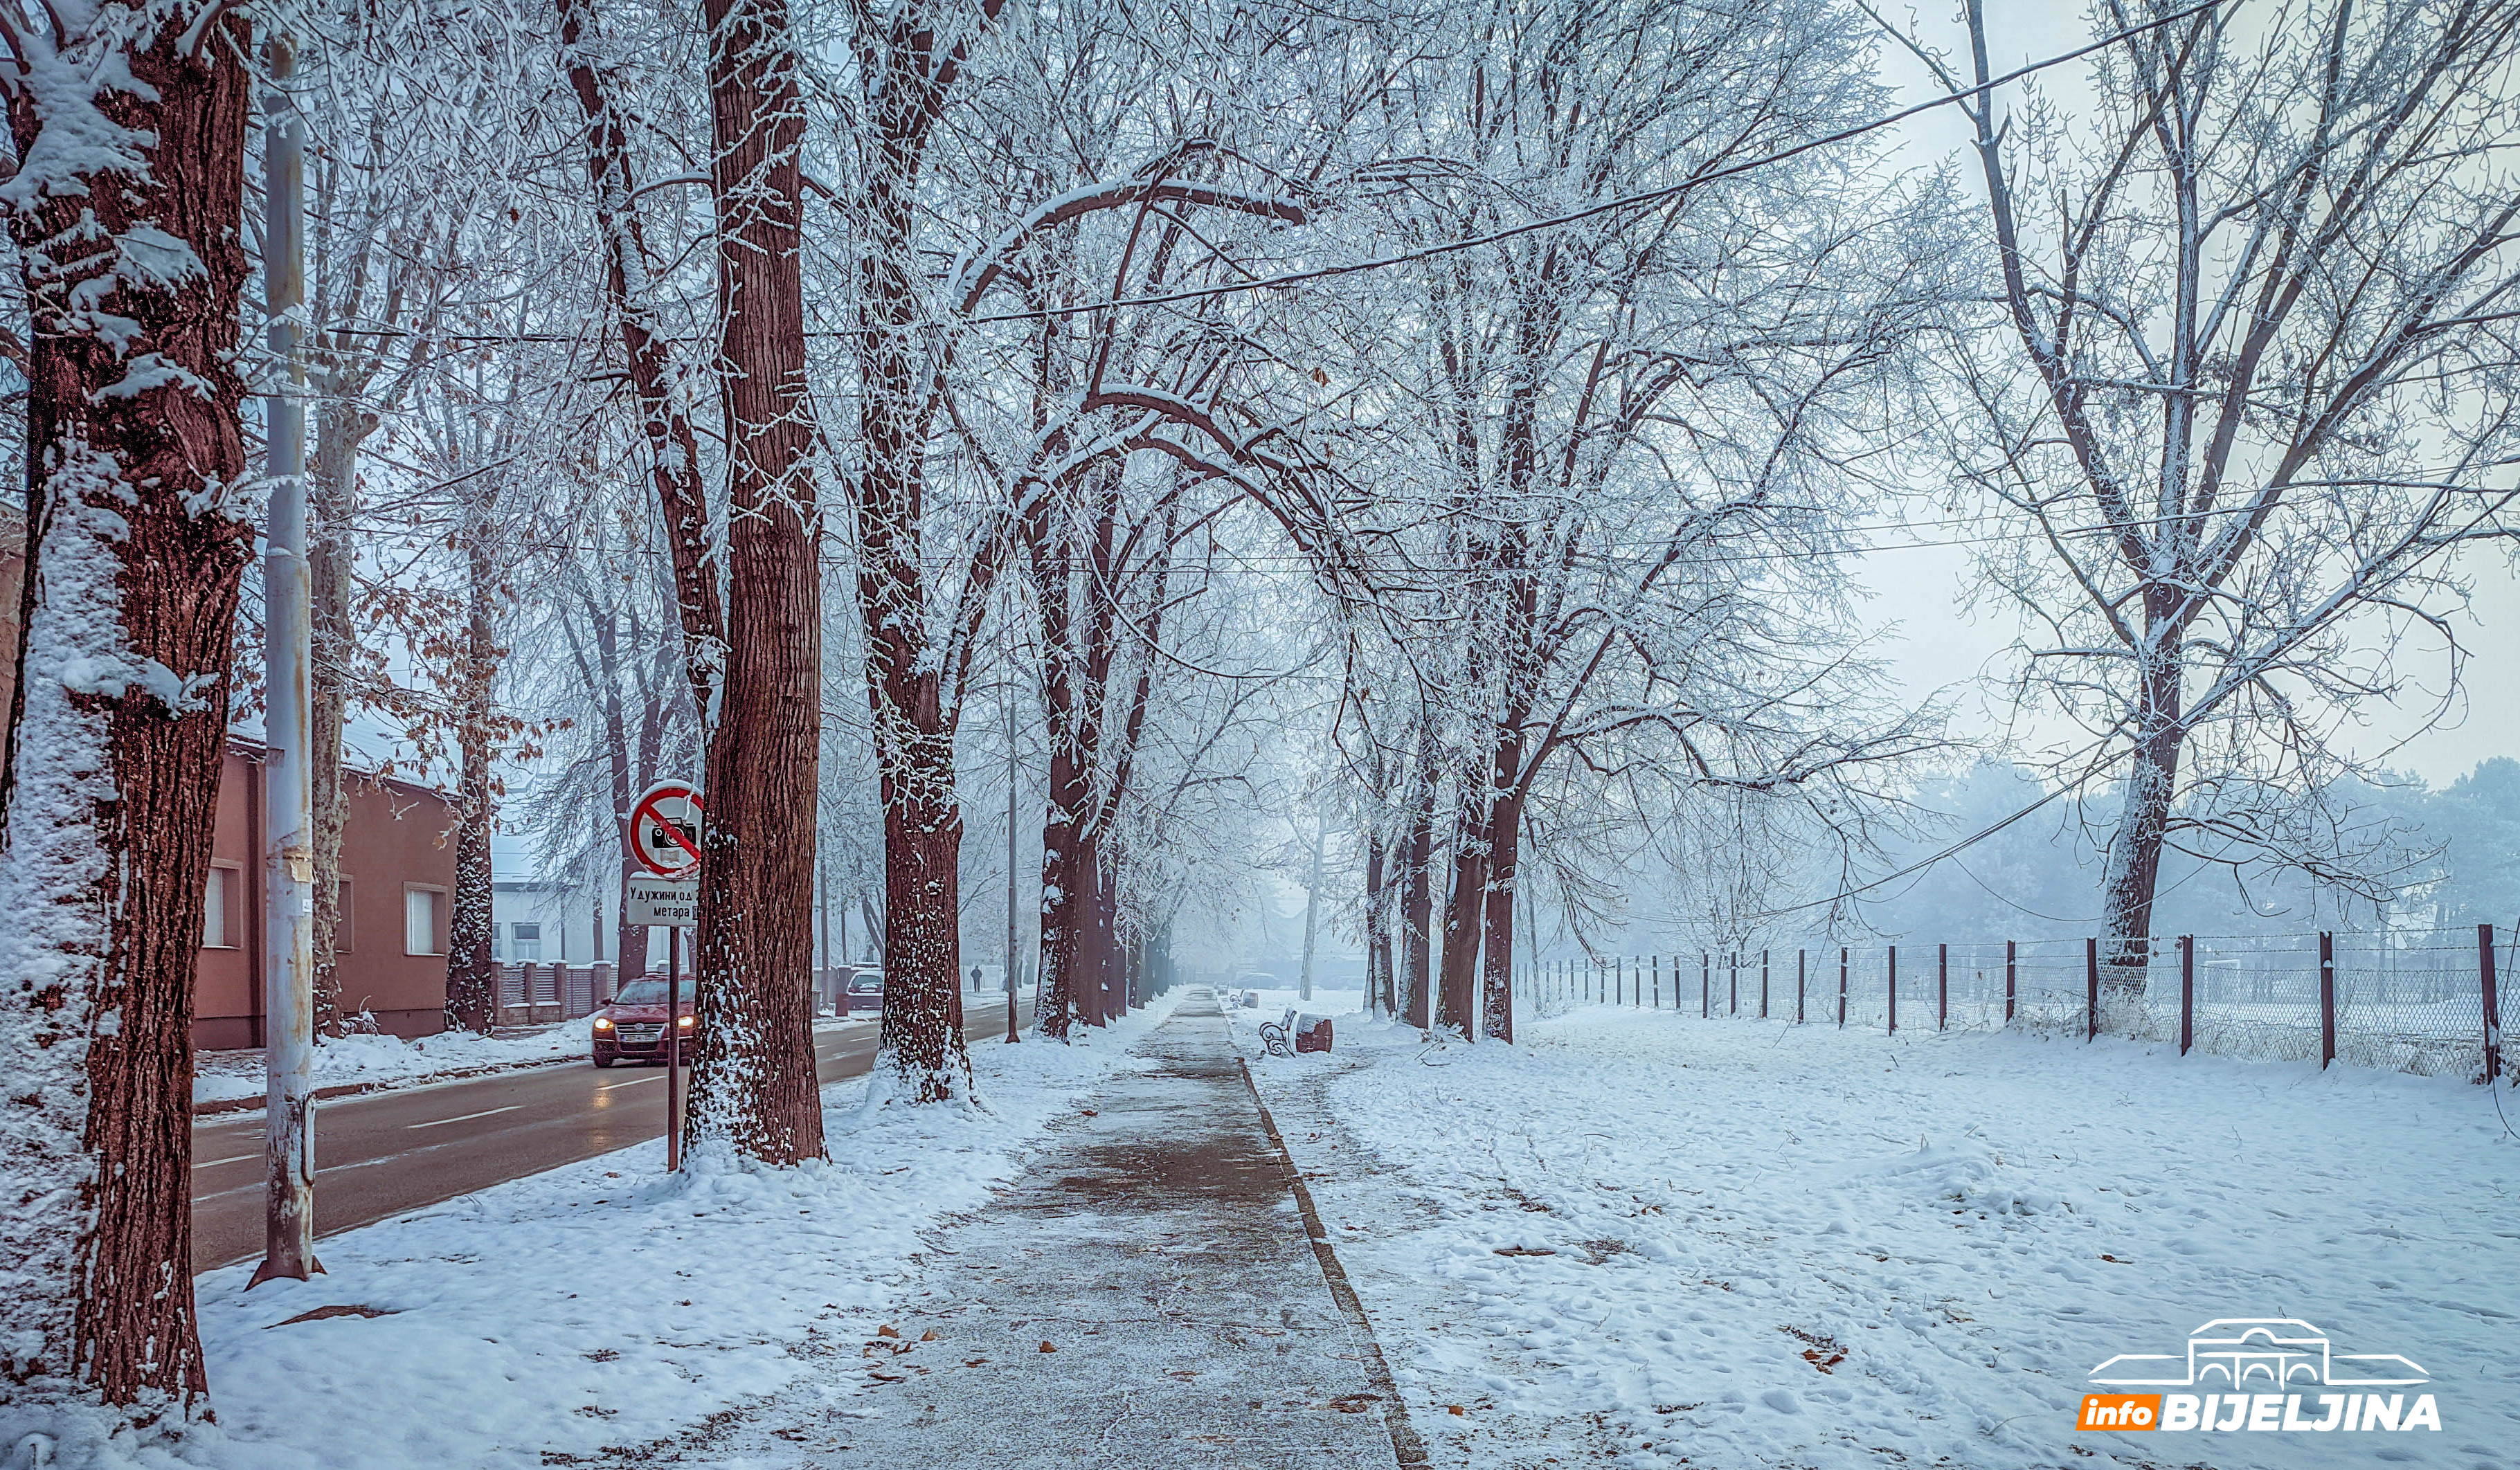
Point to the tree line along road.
(383, 1154)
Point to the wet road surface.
(383, 1154)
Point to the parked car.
(633, 1027)
(865, 993)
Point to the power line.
(1273, 564)
(1626, 201)
(1454, 246)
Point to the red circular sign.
(665, 829)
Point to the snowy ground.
(586, 1314)
(1658, 1240)
(1274, 1004)
(391, 1061)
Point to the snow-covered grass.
(604, 1304)
(1705, 1215)
(391, 1061)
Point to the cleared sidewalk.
(1147, 1295)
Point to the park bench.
(1292, 1034)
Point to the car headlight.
(684, 1021)
(603, 1023)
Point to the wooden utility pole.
(289, 828)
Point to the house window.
(214, 912)
(423, 912)
(528, 946)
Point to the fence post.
(2011, 955)
(2090, 989)
(1841, 990)
(1763, 984)
(1657, 964)
(2326, 998)
(2485, 984)
(2187, 993)
(1941, 987)
(1732, 984)
(1801, 973)
(1637, 997)
(1893, 990)
(1705, 984)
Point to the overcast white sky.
(1933, 645)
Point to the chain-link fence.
(2429, 1002)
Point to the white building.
(534, 921)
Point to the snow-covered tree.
(124, 201)
(2250, 397)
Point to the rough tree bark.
(1465, 915)
(472, 970)
(755, 1091)
(909, 62)
(1418, 894)
(125, 213)
(1377, 929)
(332, 473)
(1505, 850)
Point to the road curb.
(354, 1089)
(1405, 1444)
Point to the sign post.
(665, 838)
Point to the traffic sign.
(669, 902)
(665, 829)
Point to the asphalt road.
(383, 1154)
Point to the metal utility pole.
(289, 828)
(1014, 772)
(1312, 902)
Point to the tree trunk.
(921, 1035)
(1067, 867)
(754, 1090)
(2134, 870)
(137, 541)
(1464, 922)
(1505, 854)
(630, 941)
(921, 1043)
(1377, 929)
(1418, 901)
(332, 486)
(472, 971)
(1065, 884)
(1108, 956)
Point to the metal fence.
(532, 994)
(2426, 1002)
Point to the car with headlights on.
(632, 1027)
